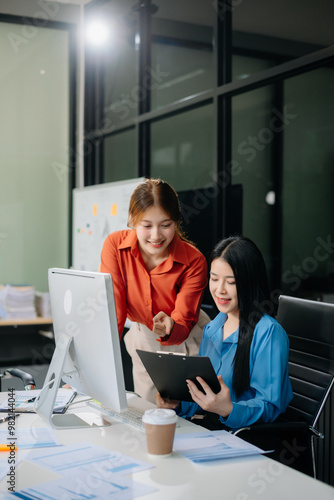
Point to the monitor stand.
(46, 400)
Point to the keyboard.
(132, 416)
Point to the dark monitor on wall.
(203, 224)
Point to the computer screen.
(87, 348)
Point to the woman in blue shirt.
(248, 348)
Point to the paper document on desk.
(213, 445)
(85, 457)
(87, 471)
(32, 438)
(5, 468)
(25, 401)
(84, 486)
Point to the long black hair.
(248, 266)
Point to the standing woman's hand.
(162, 324)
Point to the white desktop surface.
(176, 477)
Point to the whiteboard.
(98, 211)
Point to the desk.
(177, 478)
(26, 322)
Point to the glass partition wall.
(36, 126)
(232, 103)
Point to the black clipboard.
(169, 372)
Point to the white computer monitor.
(87, 352)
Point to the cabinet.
(26, 342)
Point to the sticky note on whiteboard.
(114, 209)
(95, 209)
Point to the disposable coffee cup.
(160, 430)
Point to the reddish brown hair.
(155, 193)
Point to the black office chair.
(310, 327)
(27, 379)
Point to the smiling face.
(223, 288)
(155, 231)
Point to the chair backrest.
(310, 327)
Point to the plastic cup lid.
(159, 416)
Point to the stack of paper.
(43, 305)
(213, 445)
(18, 302)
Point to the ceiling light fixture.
(97, 33)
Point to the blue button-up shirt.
(270, 389)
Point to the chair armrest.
(280, 428)
(27, 379)
(289, 443)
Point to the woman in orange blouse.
(158, 277)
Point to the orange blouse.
(175, 286)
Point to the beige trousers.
(140, 337)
